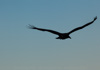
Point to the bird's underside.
(62, 36)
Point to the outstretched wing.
(41, 29)
(81, 27)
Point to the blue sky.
(25, 49)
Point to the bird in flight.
(62, 36)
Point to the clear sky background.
(25, 49)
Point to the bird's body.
(63, 35)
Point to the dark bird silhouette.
(62, 35)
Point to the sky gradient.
(25, 49)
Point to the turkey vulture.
(62, 35)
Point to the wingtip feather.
(95, 18)
(31, 27)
